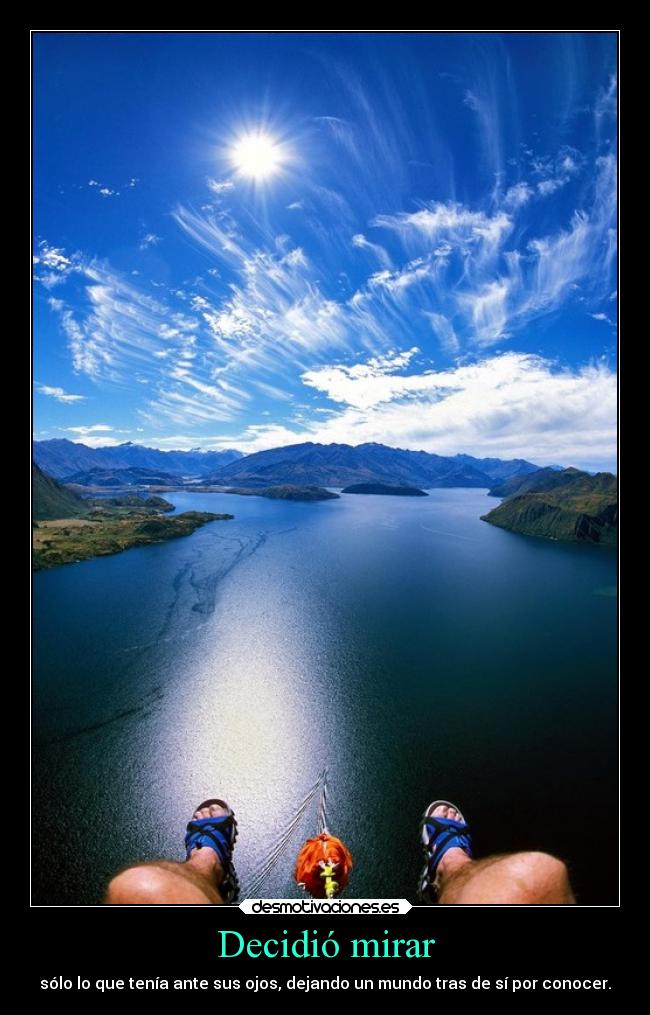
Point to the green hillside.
(569, 505)
(50, 500)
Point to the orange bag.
(323, 866)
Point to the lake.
(413, 649)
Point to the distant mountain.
(341, 464)
(50, 500)
(497, 468)
(385, 489)
(567, 505)
(122, 477)
(521, 481)
(62, 458)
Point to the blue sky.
(249, 240)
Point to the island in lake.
(386, 489)
(564, 504)
(67, 528)
(285, 492)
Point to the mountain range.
(305, 464)
(62, 458)
(341, 464)
(122, 477)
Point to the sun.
(257, 155)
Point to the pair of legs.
(513, 879)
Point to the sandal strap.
(442, 824)
(218, 833)
(446, 835)
(214, 832)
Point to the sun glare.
(257, 155)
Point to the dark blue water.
(415, 650)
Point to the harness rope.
(321, 821)
(283, 841)
(324, 862)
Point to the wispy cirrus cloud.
(605, 106)
(149, 240)
(491, 287)
(116, 330)
(360, 241)
(268, 314)
(444, 331)
(454, 223)
(275, 310)
(487, 309)
(220, 186)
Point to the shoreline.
(62, 541)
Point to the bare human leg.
(169, 883)
(512, 879)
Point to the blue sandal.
(218, 833)
(438, 836)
